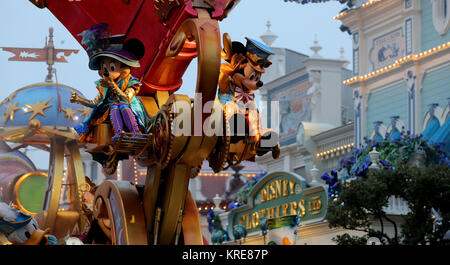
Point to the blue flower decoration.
(210, 217)
(385, 164)
(332, 182)
(233, 205)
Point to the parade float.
(166, 37)
(40, 116)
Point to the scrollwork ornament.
(164, 7)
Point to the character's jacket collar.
(9, 227)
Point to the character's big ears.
(227, 47)
(238, 47)
(230, 48)
(136, 47)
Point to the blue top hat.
(99, 43)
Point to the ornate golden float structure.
(163, 210)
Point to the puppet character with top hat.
(116, 103)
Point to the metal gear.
(162, 136)
(110, 166)
(195, 171)
(219, 156)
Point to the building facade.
(307, 99)
(314, 111)
(399, 83)
(401, 67)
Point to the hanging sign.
(280, 194)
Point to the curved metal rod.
(206, 33)
(120, 204)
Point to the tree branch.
(395, 228)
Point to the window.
(441, 18)
(408, 4)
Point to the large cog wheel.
(162, 136)
(110, 165)
(219, 156)
(196, 170)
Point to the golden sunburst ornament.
(38, 108)
(69, 113)
(85, 112)
(9, 112)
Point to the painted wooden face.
(113, 68)
(251, 73)
(251, 79)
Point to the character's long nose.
(106, 73)
(259, 84)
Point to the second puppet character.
(115, 102)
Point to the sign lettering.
(280, 194)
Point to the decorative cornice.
(367, 4)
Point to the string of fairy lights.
(367, 4)
(398, 63)
(64, 190)
(119, 165)
(208, 174)
(136, 180)
(333, 151)
(212, 207)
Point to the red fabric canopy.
(138, 19)
(135, 18)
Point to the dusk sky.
(24, 25)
